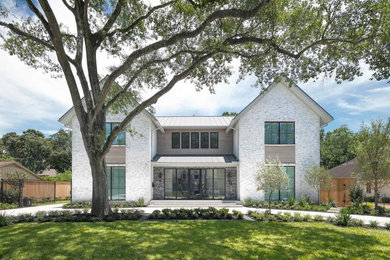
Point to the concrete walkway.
(58, 207)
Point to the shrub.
(298, 217)
(11, 196)
(141, 202)
(258, 216)
(4, 220)
(287, 216)
(291, 202)
(8, 206)
(356, 193)
(331, 203)
(307, 218)
(357, 222)
(303, 202)
(238, 214)
(369, 199)
(279, 216)
(331, 219)
(385, 200)
(373, 224)
(318, 218)
(387, 226)
(343, 219)
(248, 203)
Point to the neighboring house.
(11, 167)
(210, 157)
(342, 179)
(48, 173)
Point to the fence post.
(1, 190)
(20, 193)
(55, 190)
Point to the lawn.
(191, 239)
(51, 202)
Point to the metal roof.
(194, 121)
(195, 159)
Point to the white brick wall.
(138, 160)
(280, 104)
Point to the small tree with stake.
(319, 178)
(271, 177)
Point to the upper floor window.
(204, 140)
(194, 140)
(120, 139)
(214, 140)
(175, 140)
(185, 140)
(279, 133)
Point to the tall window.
(116, 178)
(194, 140)
(214, 140)
(204, 140)
(185, 140)
(290, 192)
(279, 133)
(175, 140)
(120, 139)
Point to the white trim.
(194, 164)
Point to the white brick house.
(208, 157)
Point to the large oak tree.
(157, 45)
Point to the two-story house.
(208, 157)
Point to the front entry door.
(195, 181)
(182, 184)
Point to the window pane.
(204, 136)
(120, 139)
(219, 183)
(194, 140)
(182, 184)
(116, 178)
(108, 129)
(175, 140)
(185, 140)
(170, 184)
(207, 183)
(290, 192)
(214, 140)
(271, 133)
(287, 133)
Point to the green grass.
(191, 239)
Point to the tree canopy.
(157, 46)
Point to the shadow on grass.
(191, 239)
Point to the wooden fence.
(38, 190)
(339, 191)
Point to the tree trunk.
(269, 201)
(376, 193)
(100, 202)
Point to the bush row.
(341, 219)
(366, 209)
(372, 199)
(8, 206)
(67, 216)
(115, 204)
(198, 213)
(301, 204)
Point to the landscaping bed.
(367, 209)
(291, 204)
(114, 204)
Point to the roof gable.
(325, 117)
(8, 163)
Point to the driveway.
(58, 207)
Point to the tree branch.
(228, 13)
(152, 100)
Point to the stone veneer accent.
(158, 183)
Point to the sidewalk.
(58, 207)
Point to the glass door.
(195, 184)
(182, 184)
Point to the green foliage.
(318, 177)
(357, 222)
(198, 213)
(65, 176)
(387, 226)
(373, 224)
(11, 196)
(229, 113)
(337, 147)
(356, 194)
(373, 155)
(343, 219)
(385, 199)
(8, 206)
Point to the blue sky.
(31, 99)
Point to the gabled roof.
(344, 170)
(194, 121)
(325, 117)
(7, 163)
(66, 118)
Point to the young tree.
(271, 176)
(319, 178)
(157, 46)
(337, 147)
(373, 155)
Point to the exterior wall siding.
(116, 155)
(279, 104)
(225, 143)
(286, 154)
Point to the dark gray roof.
(195, 159)
(344, 170)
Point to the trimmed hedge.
(198, 213)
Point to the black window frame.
(182, 140)
(173, 139)
(198, 141)
(279, 132)
(211, 146)
(201, 140)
